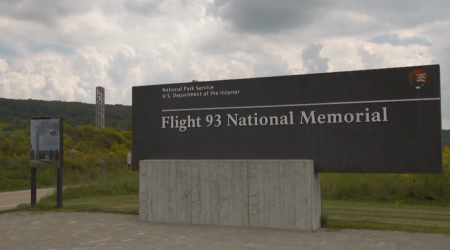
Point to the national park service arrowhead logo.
(53, 133)
(418, 78)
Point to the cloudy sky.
(62, 49)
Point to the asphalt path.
(10, 200)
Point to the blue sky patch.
(36, 47)
(7, 51)
(395, 40)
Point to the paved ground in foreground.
(66, 230)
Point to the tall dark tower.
(99, 108)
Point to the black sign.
(371, 121)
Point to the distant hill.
(17, 113)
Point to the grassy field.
(433, 217)
(95, 162)
(416, 203)
(121, 196)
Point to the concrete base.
(275, 194)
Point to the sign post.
(129, 159)
(33, 186)
(59, 185)
(47, 151)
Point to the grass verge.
(123, 204)
(337, 224)
(121, 196)
(113, 196)
(433, 217)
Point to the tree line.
(17, 113)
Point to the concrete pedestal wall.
(274, 194)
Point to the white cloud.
(46, 77)
(256, 16)
(312, 60)
(369, 57)
(62, 49)
(91, 67)
(47, 12)
(445, 123)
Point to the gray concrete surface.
(10, 200)
(64, 230)
(282, 194)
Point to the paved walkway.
(64, 230)
(9, 200)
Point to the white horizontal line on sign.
(304, 104)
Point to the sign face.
(371, 121)
(46, 143)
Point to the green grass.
(3, 125)
(433, 217)
(115, 195)
(121, 195)
(386, 187)
(124, 204)
(19, 178)
(336, 224)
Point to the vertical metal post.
(59, 188)
(33, 187)
(59, 185)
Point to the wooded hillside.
(17, 113)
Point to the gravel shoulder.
(82, 230)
